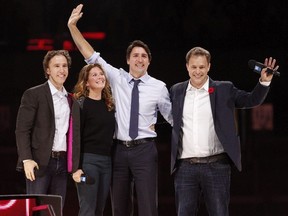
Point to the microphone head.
(251, 63)
(255, 66)
(87, 179)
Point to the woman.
(93, 93)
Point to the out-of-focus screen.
(30, 205)
(17, 206)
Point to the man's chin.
(141, 72)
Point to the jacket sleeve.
(24, 125)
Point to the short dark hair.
(198, 51)
(138, 43)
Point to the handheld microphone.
(85, 179)
(257, 67)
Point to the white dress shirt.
(153, 97)
(62, 112)
(199, 136)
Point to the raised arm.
(82, 44)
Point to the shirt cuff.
(93, 58)
(265, 83)
(24, 161)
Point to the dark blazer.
(224, 98)
(35, 128)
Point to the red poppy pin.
(211, 90)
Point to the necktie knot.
(136, 82)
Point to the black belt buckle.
(197, 160)
(132, 143)
(128, 144)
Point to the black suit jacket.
(224, 98)
(35, 128)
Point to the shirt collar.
(204, 87)
(143, 78)
(54, 90)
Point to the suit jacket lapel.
(70, 136)
(181, 97)
(212, 94)
(48, 95)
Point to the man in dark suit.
(204, 137)
(48, 130)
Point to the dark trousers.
(92, 197)
(54, 180)
(212, 180)
(140, 164)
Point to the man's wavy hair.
(50, 54)
(81, 89)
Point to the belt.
(58, 154)
(132, 143)
(209, 159)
